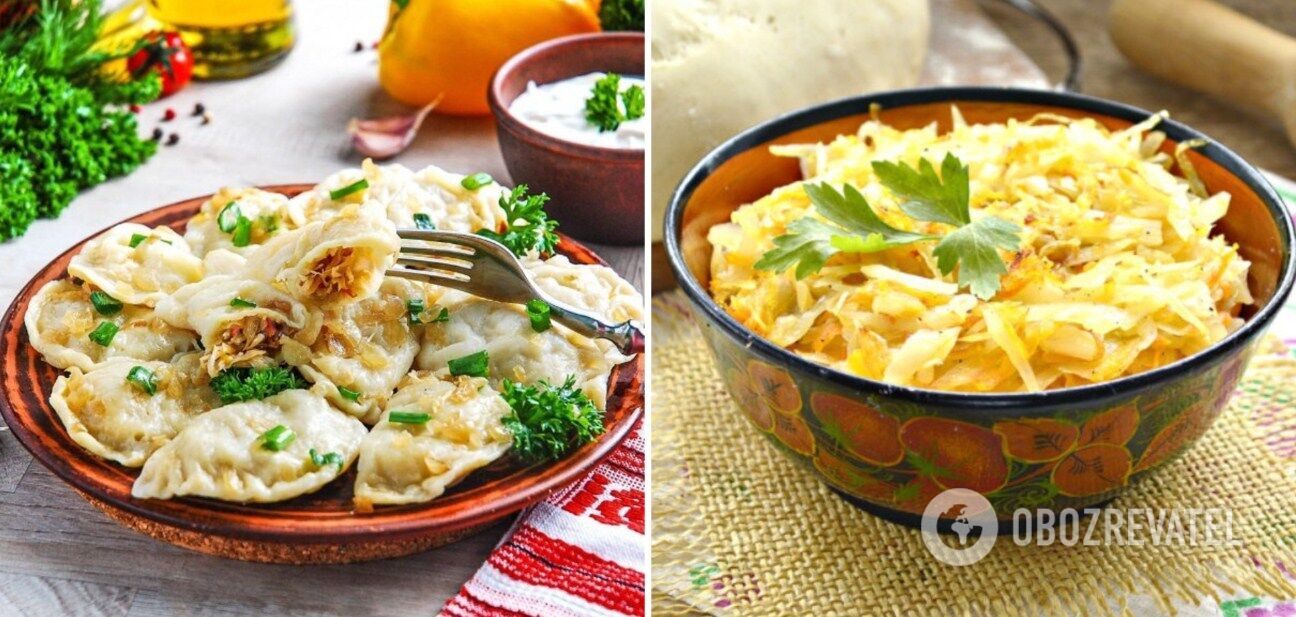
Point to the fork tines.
(434, 256)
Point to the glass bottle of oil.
(229, 38)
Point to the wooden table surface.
(60, 556)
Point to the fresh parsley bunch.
(60, 131)
(853, 227)
(548, 421)
(234, 385)
(527, 225)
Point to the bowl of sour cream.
(572, 117)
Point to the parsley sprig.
(608, 106)
(527, 225)
(253, 384)
(548, 421)
(853, 227)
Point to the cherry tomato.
(166, 54)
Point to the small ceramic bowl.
(878, 443)
(597, 193)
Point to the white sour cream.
(558, 109)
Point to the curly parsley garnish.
(853, 227)
(527, 225)
(607, 107)
(253, 384)
(549, 421)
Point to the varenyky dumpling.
(330, 262)
(266, 214)
(159, 263)
(223, 261)
(516, 351)
(61, 317)
(222, 454)
(588, 287)
(114, 418)
(431, 192)
(411, 463)
(242, 322)
(366, 347)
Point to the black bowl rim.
(506, 121)
(1021, 402)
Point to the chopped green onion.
(277, 438)
(229, 216)
(143, 379)
(358, 185)
(270, 223)
(476, 180)
(104, 333)
(443, 316)
(538, 311)
(136, 239)
(105, 304)
(320, 460)
(242, 232)
(415, 308)
(408, 417)
(238, 302)
(348, 394)
(475, 365)
(423, 221)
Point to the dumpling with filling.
(330, 262)
(432, 192)
(516, 351)
(367, 347)
(217, 224)
(61, 318)
(242, 322)
(117, 418)
(587, 287)
(136, 264)
(224, 454)
(412, 463)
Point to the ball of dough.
(721, 66)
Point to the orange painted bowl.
(890, 449)
(317, 528)
(597, 192)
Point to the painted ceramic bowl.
(321, 527)
(890, 449)
(598, 193)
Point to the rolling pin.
(1211, 49)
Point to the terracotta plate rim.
(386, 523)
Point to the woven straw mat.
(740, 530)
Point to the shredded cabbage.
(1117, 273)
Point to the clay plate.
(316, 528)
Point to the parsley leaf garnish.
(527, 225)
(853, 227)
(602, 109)
(548, 421)
(253, 384)
(635, 102)
(972, 248)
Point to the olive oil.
(229, 38)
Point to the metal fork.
(485, 268)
